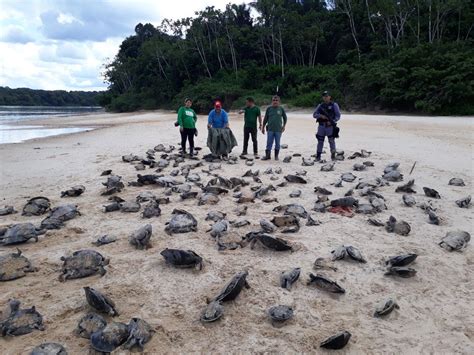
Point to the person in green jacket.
(252, 113)
(187, 125)
(275, 122)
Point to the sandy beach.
(436, 306)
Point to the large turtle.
(74, 191)
(141, 237)
(110, 338)
(181, 222)
(337, 341)
(83, 263)
(100, 302)
(20, 321)
(139, 333)
(58, 215)
(456, 240)
(385, 307)
(14, 265)
(232, 289)
(20, 233)
(292, 209)
(182, 258)
(49, 349)
(289, 277)
(89, 324)
(36, 206)
(325, 284)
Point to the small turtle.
(320, 206)
(246, 199)
(348, 177)
(238, 223)
(307, 162)
(36, 206)
(282, 184)
(110, 338)
(354, 155)
(295, 193)
(213, 311)
(100, 302)
(409, 200)
(219, 228)
(74, 191)
(287, 159)
(339, 253)
(20, 321)
(49, 349)
(385, 307)
(270, 200)
(401, 260)
(20, 233)
(328, 167)
(141, 237)
(140, 333)
(456, 240)
(182, 188)
(112, 207)
(89, 324)
(325, 284)
(208, 199)
(323, 264)
(232, 289)
(267, 226)
(152, 210)
(289, 277)
(106, 172)
(215, 216)
(398, 227)
(58, 215)
(181, 222)
(433, 217)
(295, 179)
(182, 258)
(312, 222)
(407, 188)
(347, 201)
(83, 263)
(7, 210)
(393, 175)
(292, 209)
(365, 208)
(375, 222)
(285, 221)
(130, 157)
(368, 163)
(355, 254)
(280, 313)
(359, 167)
(464, 202)
(112, 185)
(144, 196)
(267, 241)
(392, 166)
(322, 191)
(130, 207)
(431, 193)
(377, 203)
(14, 266)
(188, 195)
(456, 182)
(337, 341)
(401, 271)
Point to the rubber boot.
(267, 155)
(333, 155)
(318, 156)
(277, 152)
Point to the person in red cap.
(218, 118)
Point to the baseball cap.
(218, 104)
(325, 93)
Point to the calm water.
(15, 114)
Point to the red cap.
(218, 104)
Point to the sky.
(63, 44)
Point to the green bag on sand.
(220, 141)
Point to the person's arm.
(285, 119)
(180, 118)
(209, 119)
(337, 112)
(316, 112)
(241, 111)
(226, 119)
(195, 116)
(320, 117)
(259, 116)
(265, 121)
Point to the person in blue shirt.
(218, 118)
(327, 114)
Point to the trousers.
(323, 132)
(250, 131)
(273, 136)
(187, 134)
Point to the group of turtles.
(184, 180)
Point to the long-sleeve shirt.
(218, 120)
(187, 117)
(331, 110)
(275, 118)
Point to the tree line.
(403, 55)
(30, 97)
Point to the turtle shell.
(337, 341)
(110, 338)
(49, 349)
(89, 324)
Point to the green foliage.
(30, 97)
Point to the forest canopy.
(30, 97)
(405, 55)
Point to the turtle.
(407, 188)
(348, 177)
(425, 206)
(365, 208)
(347, 201)
(14, 266)
(140, 333)
(215, 190)
(355, 254)
(375, 222)
(401, 260)
(284, 146)
(295, 179)
(219, 228)
(233, 288)
(36, 206)
(368, 163)
(456, 182)
(208, 199)
(182, 258)
(145, 196)
(354, 155)
(106, 172)
(398, 227)
(267, 241)
(6, 210)
(292, 209)
(408, 200)
(213, 311)
(285, 221)
(110, 338)
(312, 222)
(140, 166)
(320, 206)
(267, 226)
(249, 162)
(141, 237)
(264, 190)
(289, 277)
(280, 313)
(74, 191)
(89, 324)
(49, 349)
(287, 159)
(377, 203)
(112, 207)
(130, 207)
(58, 215)
(433, 217)
(391, 166)
(307, 162)
(464, 202)
(130, 157)
(152, 209)
(20, 321)
(270, 200)
(164, 181)
(322, 191)
(188, 195)
(328, 167)
(359, 167)
(325, 284)
(215, 216)
(337, 341)
(181, 222)
(20, 233)
(278, 170)
(83, 263)
(393, 175)
(236, 182)
(431, 193)
(455, 240)
(385, 307)
(112, 185)
(295, 193)
(238, 223)
(282, 184)
(401, 271)
(339, 253)
(250, 173)
(246, 199)
(241, 210)
(323, 264)
(100, 302)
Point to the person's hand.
(263, 130)
(282, 129)
(324, 118)
(209, 126)
(241, 111)
(181, 129)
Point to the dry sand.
(436, 306)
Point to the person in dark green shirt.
(187, 126)
(275, 122)
(252, 113)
